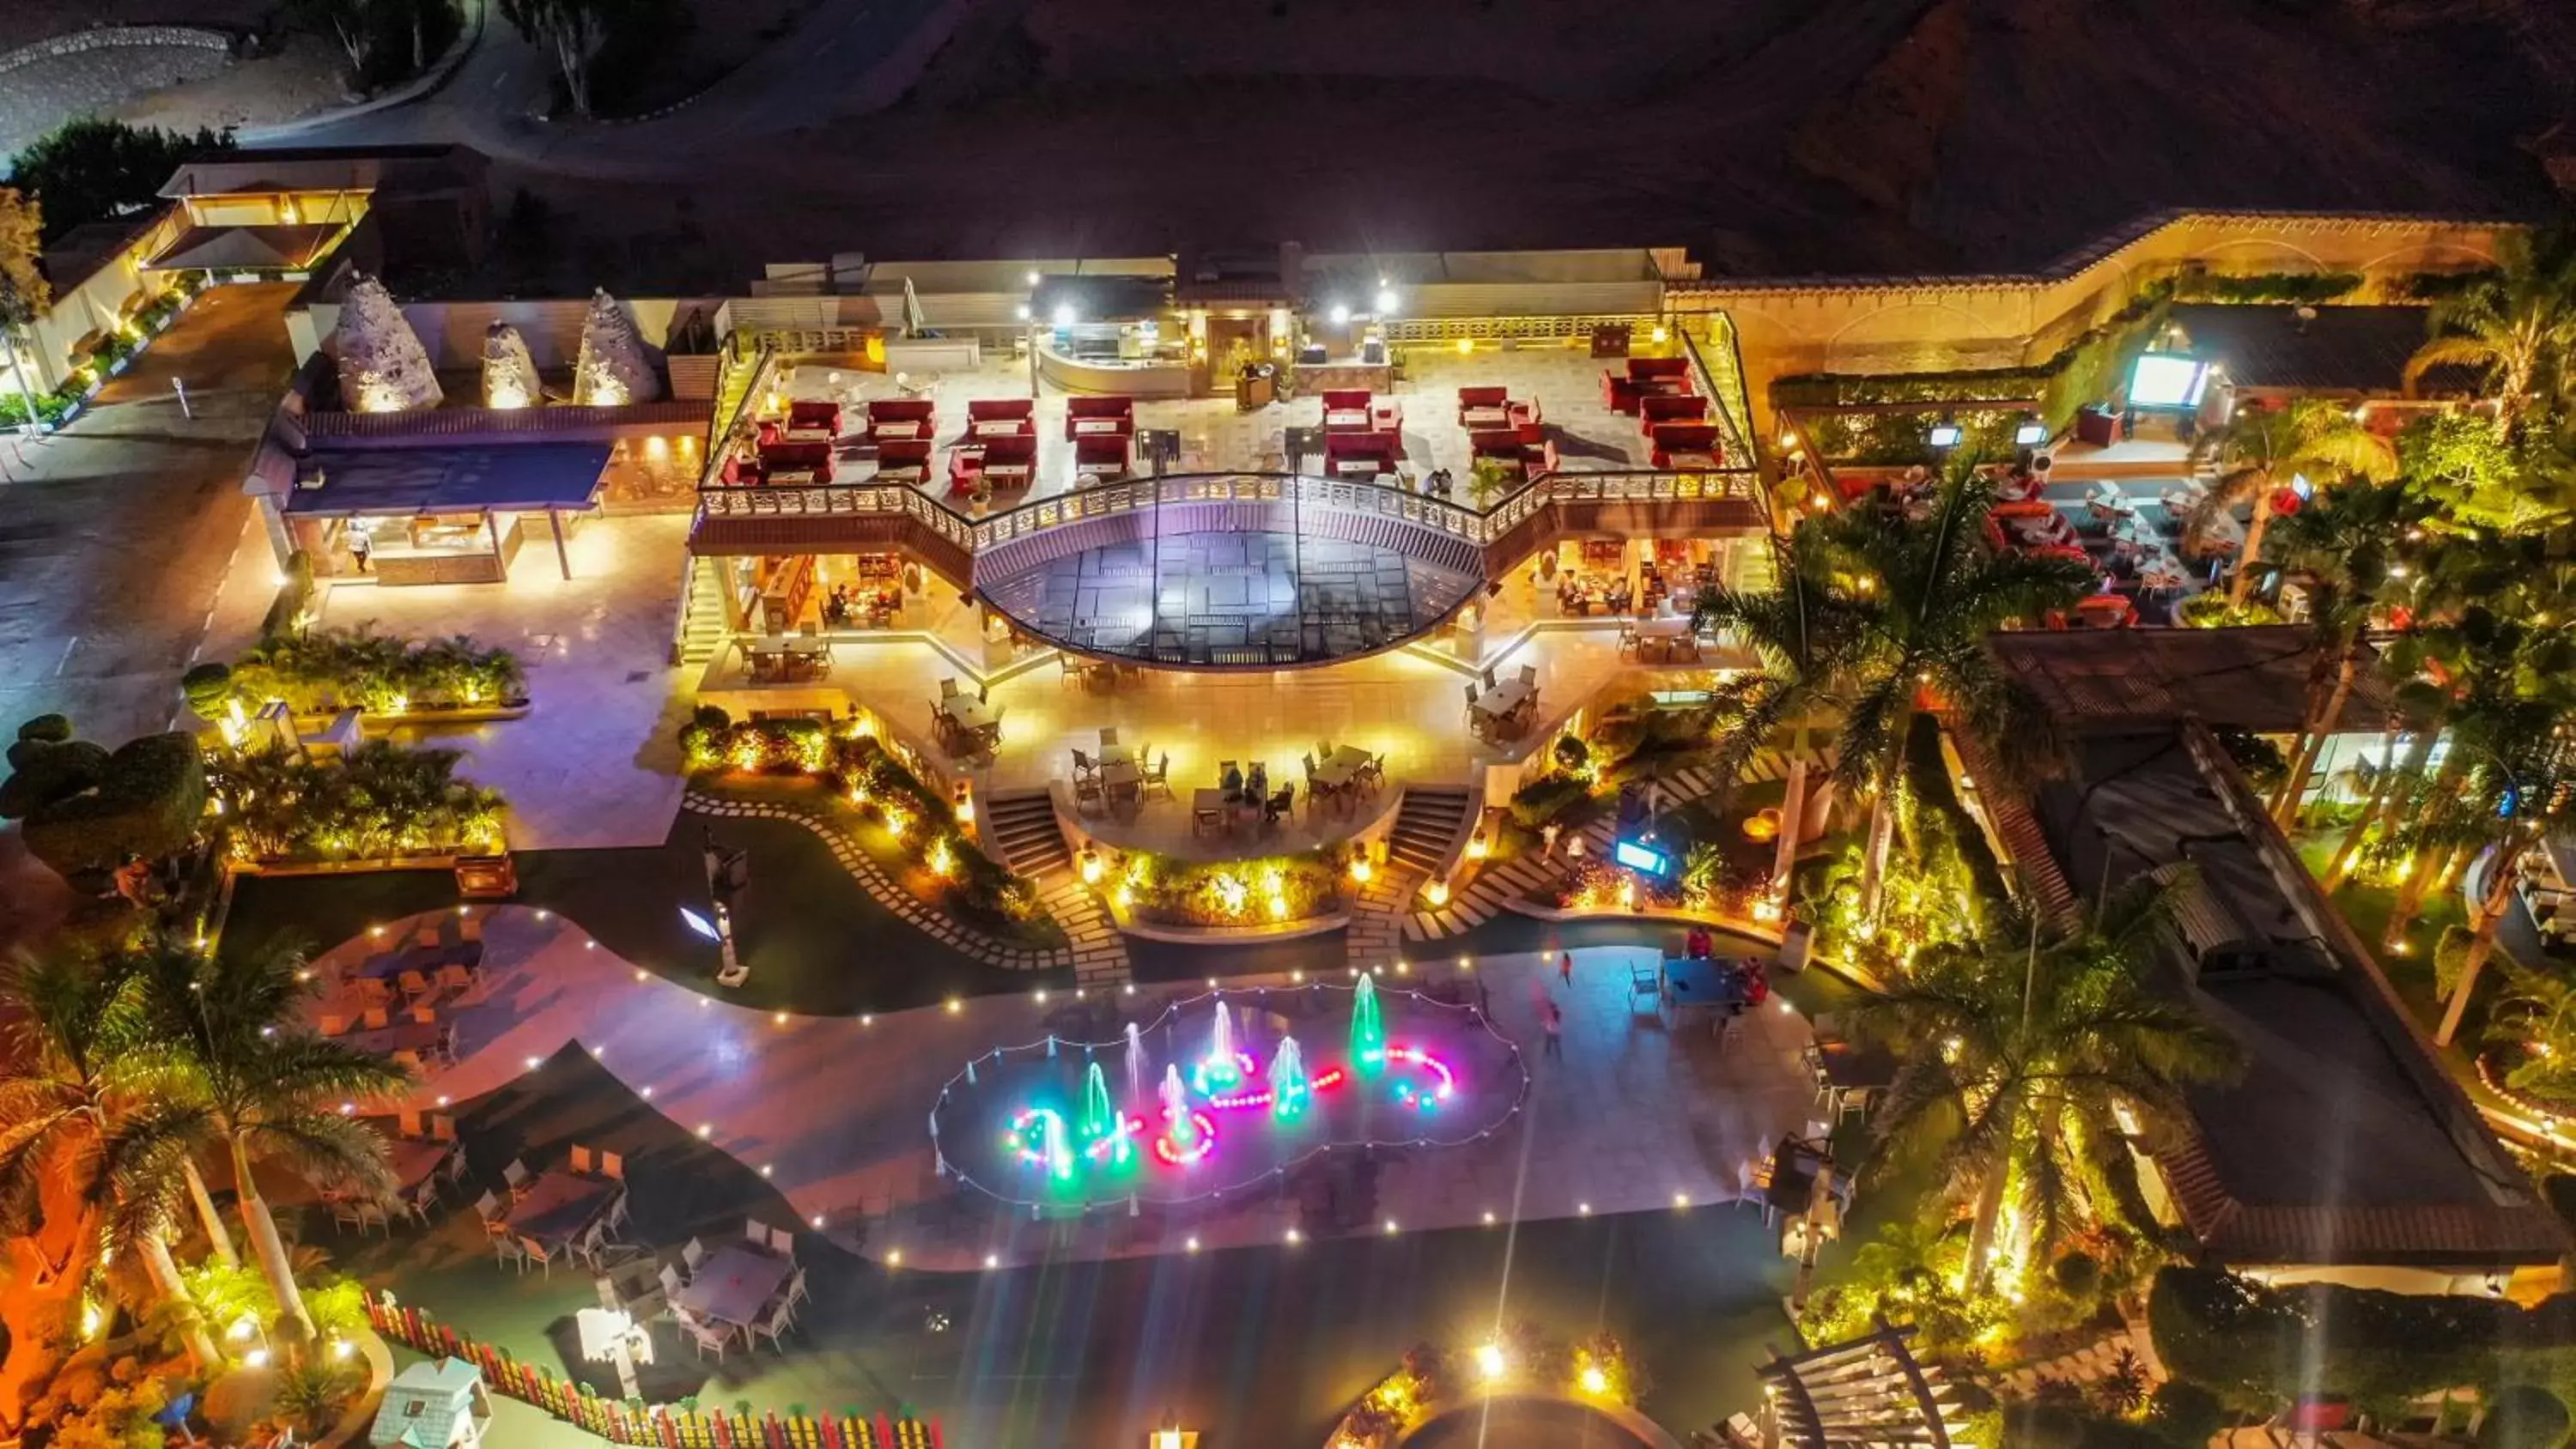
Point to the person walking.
(1565, 967)
(1556, 1031)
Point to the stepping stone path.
(2089, 1364)
(1096, 953)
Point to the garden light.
(1490, 1361)
(1594, 1380)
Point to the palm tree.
(2261, 449)
(1801, 629)
(269, 1089)
(1918, 640)
(83, 1135)
(2521, 788)
(2348, 543)
(2022, 1047)
(2516, 322)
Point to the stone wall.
(106, 36)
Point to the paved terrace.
(833, 1111)
(1215, 437)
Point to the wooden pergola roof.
(1866, 1393)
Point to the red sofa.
(1112, 416)
(1006, 462)
(1669, 407)
(1359, 454)
(809, 413)
(1000, 417)
(1686, 445)
(904, 460)
(1101, 455)
(901, 419)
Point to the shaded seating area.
(968, 724)
(1522, 452)
(1360, 454)
(1345, 774)
(1489, 408)
(1357, 410)
(1102, 458)
(904, 460)
(1503, 709)
(1098, 417)
(1685, 445)
(787, 658)
(901, 419)
(993, 464)
(1001, 417)
(1644, 377)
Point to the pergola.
(1865, 1393)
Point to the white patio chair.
(536, 1252)
(707, 1336)
(756, 1233)
(345, 1217)
(783, 1243)
(517, 1178)
(488, 1208)
(776, 1324)
(672, 1282)
(694, 1254)
(510, 1249)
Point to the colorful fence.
(661, 1425)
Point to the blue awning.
(374, 482)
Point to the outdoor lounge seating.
(1484, 409)
(1001, 417)
(1099, 417)
(1361, 455)
(808, 415)
(1645, 376)
(1356, 410)
(1100, 458)
(1686, 445)
(901, 419)
(1671, 407)
(903, 461)
(1009, 461)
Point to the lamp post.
(728, 872)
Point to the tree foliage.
(90, 168)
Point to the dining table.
(1701, 983)
(1341, 767)
(997, 427)
(973, 718)
(1506, 697)
(1484, 419)
(424, 959)
(560, 1205)
(732, 1284)
(1120, 776)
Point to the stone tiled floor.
(1635, 1114)
(596, 761)
(1214, 436)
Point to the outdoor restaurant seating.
(1111, 416)
(903, 461)
(1645, 376)
(1356, 410)
(1359, 455)
(1100, 458)
(1001, 417)
(1482, 409)
(1672, 407)
(1008, 461)
(901, 419)
(966, 723)
(814, 415)
(1686, 445)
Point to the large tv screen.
(2167, 380)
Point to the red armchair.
(1686, 445)
(901, 420)
(807, 414)
(1359, 454)
(1112, 416)
(1100, 455)
(1669, 407)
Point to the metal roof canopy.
(383, 482)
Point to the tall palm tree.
(1802, 630)
(1918, 641)
(2516, 322)
(2022, 1046)
(2262, 449)
(2349, 543)
(2522, 788)
(82, 1129)
(269, 1089)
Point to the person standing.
(1556, 1031)
(1565, 967)
(360, 546)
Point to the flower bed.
(1270, 890)
(869, 781)
(1522, 1361)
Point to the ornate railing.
(817, 500)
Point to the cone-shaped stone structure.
(383, 367)
(509, 373)
(613, 369)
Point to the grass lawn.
(2366, 907)
(816, 941)
(1253, 1346)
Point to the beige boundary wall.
(1936, 323)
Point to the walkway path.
(833, 1110)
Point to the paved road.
(117, 535)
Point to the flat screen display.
(2167, 380)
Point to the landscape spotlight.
(700, 924)
(2030, 434)
(1945, 434)
(1340, 315)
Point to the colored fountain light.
(1223, 1068)
(1104, 1127)
(1368, 1034)
(1187, 1133)
(1289, 1089)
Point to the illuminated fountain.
(1289, 1089)
(1368, 1034)
(1245, 1103)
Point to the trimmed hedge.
(2259, 1347)
(146, 800)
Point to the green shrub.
(1573, 756)
(148, 801)
(42, 773)
(52, 729)
(320, 670)
(2262, 287)
(2521, 1416)
(1545, 801)
(206, 688)
(286, 611)
(380, 801)
(1229, 892)
(2184, 1414)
